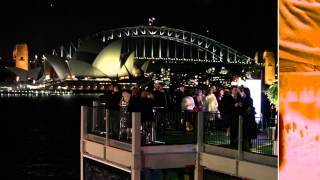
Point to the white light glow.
(255, 90)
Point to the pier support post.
(136, 146)
(83, 134)
(95, 109)
(240, 142)
(107, 119)
(198, 175)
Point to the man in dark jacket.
(231, 105)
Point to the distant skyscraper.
(20, 55)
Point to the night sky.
(246, 26)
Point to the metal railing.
(216, 129)
(95, 121)
(172, 128)
(265, 141)
(219, 132)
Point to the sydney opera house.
(92, 60)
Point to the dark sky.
(246, 26)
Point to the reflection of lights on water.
(36, 93)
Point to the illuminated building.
(22, 69)
(270, 67)
(20, 55)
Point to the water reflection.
(42, 133)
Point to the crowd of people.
(225, 104)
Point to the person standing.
(200, 101)
(187, 107)
(248, 114)
(211, 106)
(211, 100)
(178, 96)
(232, 104)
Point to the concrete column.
(84, 121)
(240, 140)
(198, 174)
(107, 126)
(83, 134)
(136, 146)
(95, 105)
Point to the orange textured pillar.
(299, 125)
(299, 53)
(299, 37)
(20, 55)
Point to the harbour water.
(40, 136)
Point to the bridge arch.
(155, 42)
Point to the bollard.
(83, 134)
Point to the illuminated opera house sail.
(92, 60)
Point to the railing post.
(107, 126)
(240, 142)
(84, 121)
(199, 169)
(83, 134)
(240, 137)
(276, 140)
(95, 105)
(136, 146)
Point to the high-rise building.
(20, 55)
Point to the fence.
(265, 141)
(216, 130)
(219, 132)
(169, 128)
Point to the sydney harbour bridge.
(135, 52)
(162, 43)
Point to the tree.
(272, 94)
